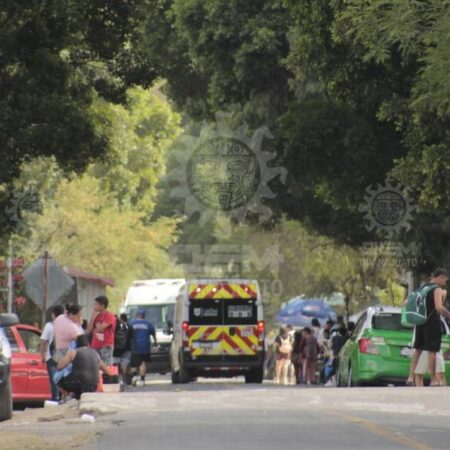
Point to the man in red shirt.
(102, 326)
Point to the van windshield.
(157, 315)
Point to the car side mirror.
(8, 320)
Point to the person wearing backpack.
(123, 337)
(428, 332)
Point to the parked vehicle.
(379, 350)
(218, 331)
(157, 298)
(6, 320)
(29, 377)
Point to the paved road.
(230, 415)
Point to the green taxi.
(380, 349)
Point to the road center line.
(377, 429)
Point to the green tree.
(353, 91)
(83, 226)
(139, 134)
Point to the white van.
(218, 331)
(157, 298)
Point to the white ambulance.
(157, 298)
(218, 331)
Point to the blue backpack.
(415, 311)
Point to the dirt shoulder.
(50, 428)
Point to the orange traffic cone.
(100, 382)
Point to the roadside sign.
(46, 281)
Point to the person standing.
(315, 327)
(340, 324)
(427, 337)
(310, 357)
(67, 327)
(141, 349)
(46, 346)
(122, 346)
(337, 342)
(296, 356)
(283, 355)
(327, 327)
(102, 327)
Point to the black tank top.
(86, 366)
(433, 315)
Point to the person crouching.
(86, 365)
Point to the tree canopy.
(354, 92)
(53, 54)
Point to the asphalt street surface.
(231, 415)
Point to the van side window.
(240, 312)
(205, 312)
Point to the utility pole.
(10, 281)
(45, 289)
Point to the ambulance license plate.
(206, 345)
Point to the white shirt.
(48, 335)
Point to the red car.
(29, 377)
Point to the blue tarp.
(299, 312)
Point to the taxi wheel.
(5, 401)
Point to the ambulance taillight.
(261, 326)
(185, 328)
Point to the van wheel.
(6, 401)
(183, 375)
(175, 377)
(255, 376)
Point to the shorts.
(422, 364)
(283, 356)
(428, 337)
(106, 354)
(137, 359)
(75, 386)
(123, 359)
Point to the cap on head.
(141, 313)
